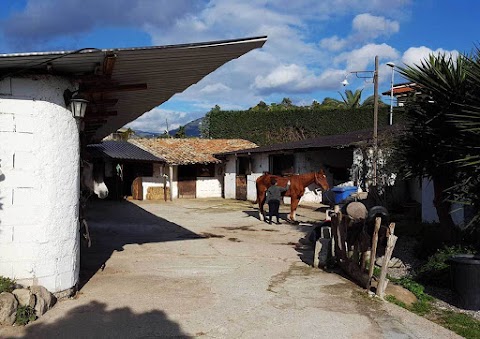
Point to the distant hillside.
(144, 134)
(192, 129)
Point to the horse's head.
(92, 180)
(321, 180)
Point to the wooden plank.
(373, 252)
(119, 88)
(383, 281)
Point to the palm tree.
(352, 99)
(428, 147)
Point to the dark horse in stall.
(295, 192)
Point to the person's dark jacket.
(274, 192)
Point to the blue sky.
(311, 44)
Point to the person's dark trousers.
(273, 206)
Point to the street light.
(374, 76)
(392, 65)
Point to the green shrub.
(276, 125)
(6, 284)
(25, 314)
(462, 324)
(437, 270)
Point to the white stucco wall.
(174, 189)
(229, 178)
(39, 153)
(429, 212)
(209, 187)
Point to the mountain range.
(192, 129)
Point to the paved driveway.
(209, 268)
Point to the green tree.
(352, 99)
(286, 103)
(181, 134)
(427, 148)
(205, 125)
(332, 103)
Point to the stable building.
(190, 165)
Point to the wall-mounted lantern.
(76, 103)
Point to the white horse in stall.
(91, 182)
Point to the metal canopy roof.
(121, 150)
(122, 84)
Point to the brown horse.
(295, 192)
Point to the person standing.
(273, 196)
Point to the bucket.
(465, 274)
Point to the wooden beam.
(119, 88)
(109, 65)
(99, 114)
(105, 102)
(95, 121)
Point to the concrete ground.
(210, 268)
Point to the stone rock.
(401, 294)
(357, 211)
(42, 293)
(394, 262)
(24, 297)
(41, 307)
(8, 308)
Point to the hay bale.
(157, 193)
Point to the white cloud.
(156, 120)
(414, 55)
(371, 26)
(360, 58)
(333, 43)
(215, 88)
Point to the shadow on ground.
(114, 224)
(95, 321)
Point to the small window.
(243, 166)
(282, 164)
(206, 170)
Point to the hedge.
(291, 124)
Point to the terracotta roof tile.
(191, 150)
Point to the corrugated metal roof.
(328, 141)
(165, 70)
(121, 150)
(190, 150)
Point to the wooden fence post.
(373, 252)
(383, 281)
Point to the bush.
(25, 314)
(277, 125)
(437, 271)
(6, 284)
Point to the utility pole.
(375, 121)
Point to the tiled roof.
(121, 150)
(327, 141)
(191, 150)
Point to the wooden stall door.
(187, 188)
(241, 190)
(137, 189)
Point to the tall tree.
(426, 148)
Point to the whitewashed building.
(39, 139)
(190, 165)
(345, 158)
